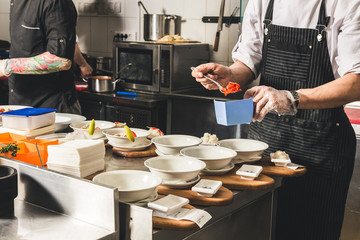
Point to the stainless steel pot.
(158, 25)
(101, 83)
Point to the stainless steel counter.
(51, 205)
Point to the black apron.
(311, 206)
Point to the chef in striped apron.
(308, 54)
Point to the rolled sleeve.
(248, 49)
(348, 58)
(60, 27)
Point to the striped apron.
(311, 206)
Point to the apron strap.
(269, 14)
(323, 21)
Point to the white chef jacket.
(343, 30)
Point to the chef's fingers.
(251, 92)
(259, 107)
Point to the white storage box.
(28, 118)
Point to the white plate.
(255, 159)
(180, 184)
(146, 144)
(220, 171)
(62, 120)
(163, 154)
(145, 201)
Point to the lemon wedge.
(91, 129)
(129, 133)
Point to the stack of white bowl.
(79, 158)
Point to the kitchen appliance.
(157, 67)
(158, 25)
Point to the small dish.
(221, 171)
(169, 204)
(207, 187)
(280, 162)
(249, 172)
(181, 184)
(143, 145)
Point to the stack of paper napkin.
(77, 157)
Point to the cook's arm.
(85, 68)
(41, 64)
(333, 94)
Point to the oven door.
(143, 73)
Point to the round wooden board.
(148, 152)
(222, 197)
(271, 170)
(235, 182)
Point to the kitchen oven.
(157, 67)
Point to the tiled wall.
(96, 32)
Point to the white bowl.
(133, 185)
(175, 168)
(141, 136)
(102, 125)
(172, 144)
(247, 149)
(215, 157)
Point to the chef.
(308, 55)
(43, 38)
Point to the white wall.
(96, 32)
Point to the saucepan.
(103, 83)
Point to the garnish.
(11, 147)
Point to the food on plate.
(91, 129)
(119, 124)
(209, 138)
(231, 88)
(279, 155)
(171, 38)
(124, 134)
(129, 134)
(155, 132)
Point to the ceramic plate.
(255, 159)
(163, 154)
(145, 201)
(146, 144)
(180, 184)
(221, 171)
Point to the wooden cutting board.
(235, 182)
(147, 152)
(177, 225)
(222, 197)
(271, 170)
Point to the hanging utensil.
(232, 16)
(142, 5)
(219, 27)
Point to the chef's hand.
(268, 99)
(3, 70)
(85, 69)
(217, 72)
